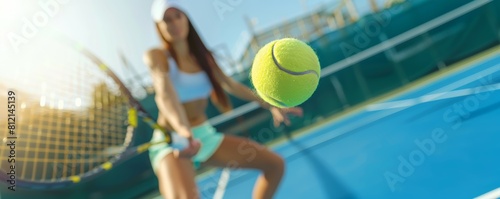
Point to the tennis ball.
(285, 72)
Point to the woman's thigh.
(176, 177)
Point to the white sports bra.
(189, 86)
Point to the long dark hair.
(207, 63)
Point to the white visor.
(160, 6)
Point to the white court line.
(221, 186)
(433, 97)
(493, 194)
(436, 94)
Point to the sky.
(108, 27)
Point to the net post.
(362, 81)
(440, 64)
(339, 91)
(391, 55)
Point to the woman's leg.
(235, 152)
(176, 178)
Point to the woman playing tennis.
(185, 75)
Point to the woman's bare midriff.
(195, 112)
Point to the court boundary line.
(221, 186)
(435, 96)
(495, 193)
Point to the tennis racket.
(74, 118)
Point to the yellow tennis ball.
(285, 72)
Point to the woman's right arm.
(166, 98)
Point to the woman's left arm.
(243, 92)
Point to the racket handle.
(179, 142)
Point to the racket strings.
(67, 114)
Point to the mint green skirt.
(208, 136)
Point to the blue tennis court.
(436, 140)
